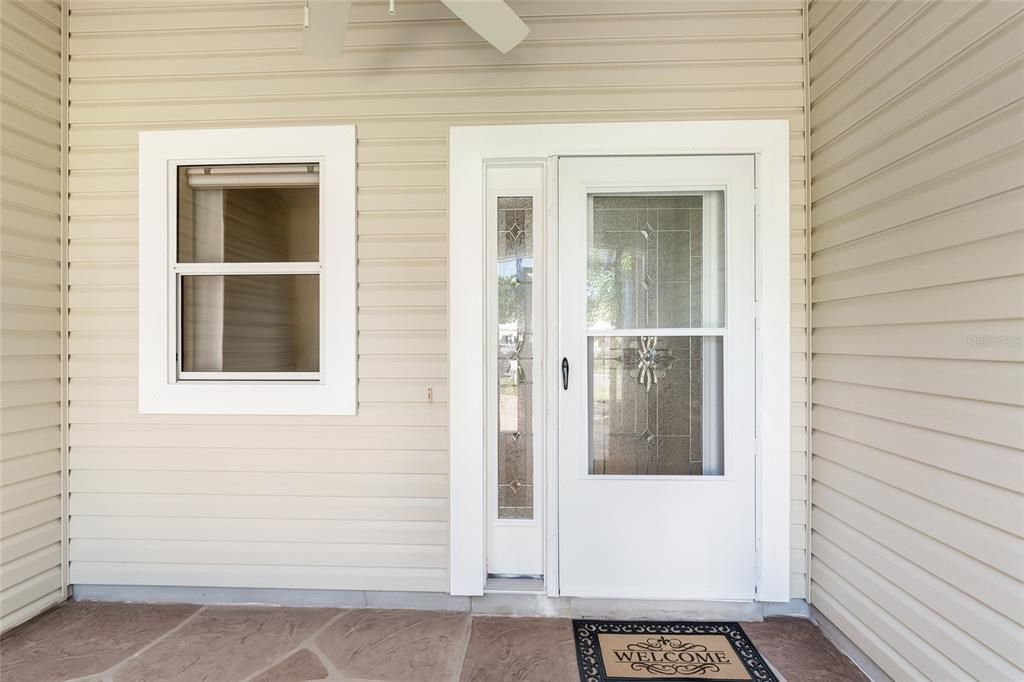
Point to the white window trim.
(160, 153)
(470, 148)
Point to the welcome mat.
(623, 651)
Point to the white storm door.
(656, 387)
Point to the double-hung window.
(247, 271)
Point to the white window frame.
(181, 269)
(470, 149)
(162, 390)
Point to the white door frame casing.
(470, 149)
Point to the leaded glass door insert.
(654, 308)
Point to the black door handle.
(565, 374)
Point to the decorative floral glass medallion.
(513, 347)
(647, 362)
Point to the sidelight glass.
(656, 275)
(515, 356)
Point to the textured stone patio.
(181, 643)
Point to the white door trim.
(469, 149)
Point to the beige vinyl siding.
(917, 159)
(353, 502)
(31, 577)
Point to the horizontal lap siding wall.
(354, 502)
(30, 309)
(917, 140)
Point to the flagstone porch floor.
(105, 642)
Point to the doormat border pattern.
(591, 665)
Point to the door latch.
(565, 374)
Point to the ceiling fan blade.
(492, 19)
(326, 22)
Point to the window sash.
(254, 176)
(228, 176)
(284, 268)
(228, 269)
(250, 376)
